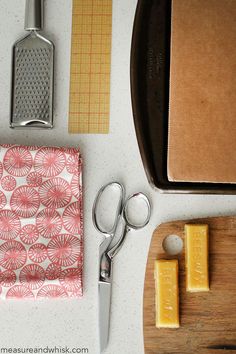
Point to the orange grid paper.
(89, 109)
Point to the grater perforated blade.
(32, 74)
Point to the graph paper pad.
(89, 107)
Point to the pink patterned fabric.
(41, 222)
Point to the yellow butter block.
(167, 293)
(196, 257)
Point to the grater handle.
(34, 15)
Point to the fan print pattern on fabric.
(29, 234)
(52, 291)
(71, 218)
(34, 179)
(75, 181)
(19, 292)
(7, 278)
(38, 253)
(17, 161)
(32, 147)
(55, 193)
(3, 200)
(10, 225)
(70, 279)
(32, 276)
(25, 201)
(53, 272)
(12, 255)
(73, 164)
(41, 222)
(49, 162)
(8, 183)
(64, 250)
(1, 170)
(49, 222)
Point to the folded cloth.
(41, 222)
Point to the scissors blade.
(104, 312)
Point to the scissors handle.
(129, 225)
(117, 247)
(107, 257)
(108, 232)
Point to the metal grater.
(32, 74)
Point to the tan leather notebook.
(202, 116)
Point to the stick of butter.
(196, 257)
(167, 293)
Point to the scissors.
(107, 252)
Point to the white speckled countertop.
(73, 323)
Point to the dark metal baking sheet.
(150, 72)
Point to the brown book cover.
(202, 116)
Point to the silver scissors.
(107, 252)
